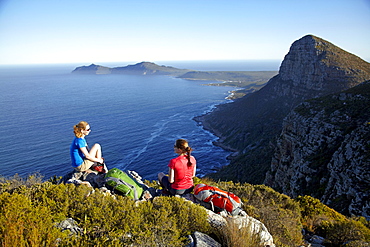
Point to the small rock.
(198, 239)
(71, 225)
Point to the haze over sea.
(136, 119)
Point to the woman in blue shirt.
(83, 158)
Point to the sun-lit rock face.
(324, 151)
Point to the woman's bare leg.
(96, 151)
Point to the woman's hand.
(90, 157)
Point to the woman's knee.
(160, 176)
(96, 146)
(96, 151)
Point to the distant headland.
(250, 81)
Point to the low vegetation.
(31, 210)
(246, 82)
(231, 78)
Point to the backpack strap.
(119, 182)
(210, 202)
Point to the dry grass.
(232, 235)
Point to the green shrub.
(30, 210)
(340, 232)
(314, 212)
(335, 227)
(23, 223)
(29, 214)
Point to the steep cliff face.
(316, 67)
(312, 68)
(324, 151)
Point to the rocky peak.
(316, 67)
(312, 68)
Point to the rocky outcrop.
(324, 151)
(198, 239)
(313, 67)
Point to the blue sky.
(90, 31)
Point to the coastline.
(219, 143)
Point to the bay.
(136, 119)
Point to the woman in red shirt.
(181, 171)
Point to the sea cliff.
(252, 125)
(324, 151)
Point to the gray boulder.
(198, 239)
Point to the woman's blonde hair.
(78, 128)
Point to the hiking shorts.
(167, 186)
(85, 165)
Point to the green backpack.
(124, 183)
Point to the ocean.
(136, 119)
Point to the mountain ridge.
(142, 68)
(249, 81)
(251, 125)
(148, 68)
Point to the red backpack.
(218, 200)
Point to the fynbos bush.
(30, 210)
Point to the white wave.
(159, 128)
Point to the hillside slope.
(250, 126)
(324, 151)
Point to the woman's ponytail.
(77, 129)
(182, 144)
(188, 153)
